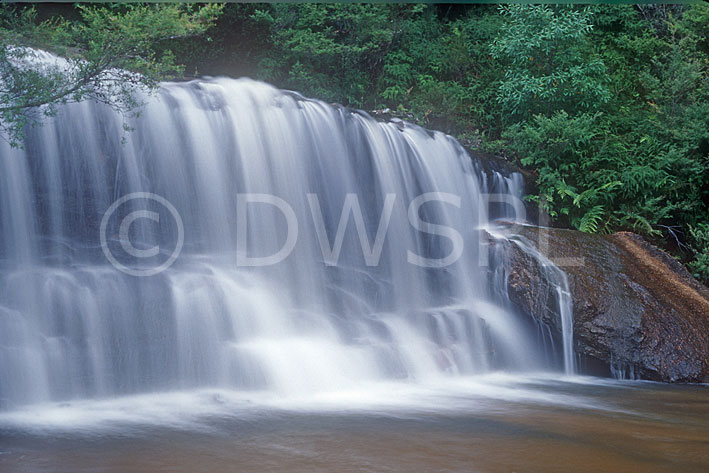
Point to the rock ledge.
(636, 309)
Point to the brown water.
(497, 424)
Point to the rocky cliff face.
(635, 308)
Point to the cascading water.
(72, 325)
(562, 297)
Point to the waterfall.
(76, 324)
(557, 280)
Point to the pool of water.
(493, 423)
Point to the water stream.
(356, 298)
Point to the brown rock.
(635, 307)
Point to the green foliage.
(590, 176)
(549, 62)
(699, 266)
(590, 221)
(428, 67)
(333, 51)
(640, 160)
(572, 157)
(110, 53)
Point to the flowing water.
(74, 325)
(489, 423)
(306, 268)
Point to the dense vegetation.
(111, 52)
(608, 105)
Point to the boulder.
(635, 308)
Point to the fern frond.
(589, 221)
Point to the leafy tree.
(550, 63)
(332, 51)
(107, 54)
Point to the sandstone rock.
(635, 307)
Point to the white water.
(74, 327)
(196, 410)
(564, 304)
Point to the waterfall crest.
(72, 325)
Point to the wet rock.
(635, 308)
